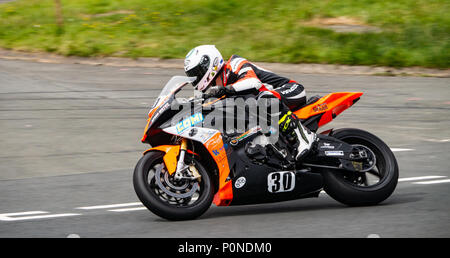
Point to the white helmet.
(205, 63)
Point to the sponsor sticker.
(216, 147)
(234, 141)
(334, 153)
(219, 150)
(240, 182)
(189, 122)
(320, 107)
(161, 110)
(291, 89)
(206, 135)
(326, 146)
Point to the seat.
(310, 101)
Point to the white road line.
(400, 149)
(406, 179)
(45, 216)
(129, 209)
(109, 206)
(23, 213)
(433, 182)
(436, 140)
(13, 216)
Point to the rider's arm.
(243, 75)
(247, 83)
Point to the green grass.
(414, 32)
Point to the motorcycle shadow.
(299, 206)
(324, 203)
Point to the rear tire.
(154, 201)
(340, 188)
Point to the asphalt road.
(70, 137)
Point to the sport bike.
(190, 164)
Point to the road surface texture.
(70, 137)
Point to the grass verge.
(411, 32)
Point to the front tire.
(353, 189)
(162, 201)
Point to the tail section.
(328, 107)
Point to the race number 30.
(278, 182)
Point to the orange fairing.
(144, 137)
(217, 150)
(330, 106)
(171, 156)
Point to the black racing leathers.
(242, 77)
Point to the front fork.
(183, 170)
(181, 166)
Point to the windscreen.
(172, 86)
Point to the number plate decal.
(283, 181)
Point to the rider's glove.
(215, 92)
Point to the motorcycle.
(189, 165)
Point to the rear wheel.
(169, 198)
(363, 188)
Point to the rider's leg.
(289, 125)
(293, 95)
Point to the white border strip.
(109, 206)
(400, 149)
(9, 216)
(129, 209)
(433, 182)
(406, 179)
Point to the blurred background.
(355, 32)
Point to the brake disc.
(183, 191)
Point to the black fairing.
(162, 118)
(255, 190)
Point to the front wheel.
(363, 188)
(169, 198)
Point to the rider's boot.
(306, 140)
(297, 133)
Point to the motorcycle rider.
(239, 76)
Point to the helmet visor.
(199, 70)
